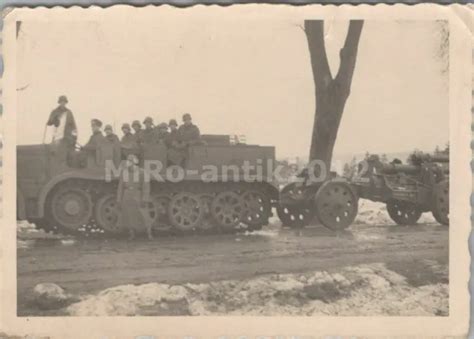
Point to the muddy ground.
(406, 260)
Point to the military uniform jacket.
(149, 136)
(94, 142)
(138, 136)
(188, 133)
(171, 138)
(112, 138)
(129, 141)
(69, 125)
(162, 135)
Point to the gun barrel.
(440, 158)
(396, 168)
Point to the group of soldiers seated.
(134, 140)
(135, 137)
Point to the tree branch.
(348, 55)
(314, 30)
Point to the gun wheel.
(295, 216)
(403, 213)
(440, 204)
(71, 208)
(185, 211)
(107, 214)
(336, 205)
(227, 209)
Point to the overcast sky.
(241, 76)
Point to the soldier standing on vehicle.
(110, 135)
(188, 133)
(128, 143)
(172, 136)
(113, 139)
(137, 127)
(65, 125)
(149, 133)
(96, 139)
(162, 133)
(92, 146)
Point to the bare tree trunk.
(331, 93)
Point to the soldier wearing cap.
(162, 133)
(149, 133)
(112, 138)
(96, 139)
(188, 133)
(138, 132)
(129, 142)
(62, 117)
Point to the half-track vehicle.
(59, 194)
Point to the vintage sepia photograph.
(234, 162)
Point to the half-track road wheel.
(293, 191)
(228, 210)
(440, 203)
(403, 213)
(208, 222)
(185, 211)
(162, 222)
(257, 209)
(336, 205)
(106, 214)
(295, 216)
(71, 208)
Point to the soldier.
(162, 133)
(63, 120)
(149, 133)
(137, 127)
(172, 136)
(129, 142)
(110, 135)
(188, 133)
(113, 139)
(96, 139)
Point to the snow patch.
(353, 291)
(263, 233)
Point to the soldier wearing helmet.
(129, 142)
(138, 132)
(172, 136)
(110, 135)
(149, 133)
(162, 133)
(63, 121)
(188, 133)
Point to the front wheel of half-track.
(71, 208)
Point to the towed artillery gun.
(407, 189)
(59, 194)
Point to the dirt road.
(84, 266)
